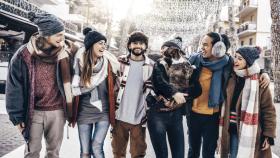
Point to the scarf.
(61, 57)
(51, 57)
(100, 72)
(216, 93)
(249, 111)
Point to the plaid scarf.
(249, 112)
(77, 87)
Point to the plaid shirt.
(123, 74)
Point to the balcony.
(246, 29)
(247, 7)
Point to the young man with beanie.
(247, 121)
(171, 88)
(38, 91)
(134, 75)
(214, 67)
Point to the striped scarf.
(249, 112)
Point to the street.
(11, 143)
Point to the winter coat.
(18, 91)
(266, 125)
(122, 75)
(111, 78)
(164, 85)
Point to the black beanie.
(47, 24)
(250, 54)
(92, 37)
(137, 36)
(176, 42)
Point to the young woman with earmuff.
(214, 67)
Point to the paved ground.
(10, 138)
(11, 141)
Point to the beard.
(137, 54)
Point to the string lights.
(186, 18)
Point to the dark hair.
(87, 68)
(216, 38)
(172, 52)
(40, 42)
(137, 36)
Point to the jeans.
(233, 145)
(203, 128)
(170, 123)
(92, 138)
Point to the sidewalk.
(71, 148)
(2, 104)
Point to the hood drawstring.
(67, 132)
(28, 147)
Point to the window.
(251, 41)
(242, 43)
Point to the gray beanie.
(48, 24)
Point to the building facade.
(255, 27)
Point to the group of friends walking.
(226, 99)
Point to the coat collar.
(125, 60)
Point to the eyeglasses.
(103, 43)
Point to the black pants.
(205, 129)
(170, 123)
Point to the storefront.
(15, 31)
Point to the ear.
(129, 46)
(146, 47)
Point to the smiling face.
(56, 40)
(99, 48)
(207, 47)
(239, 62)
(137, 48)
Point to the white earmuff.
(219, 48)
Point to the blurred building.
(255, 26)
(255, 22)
(223, 23)
(16, 29)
